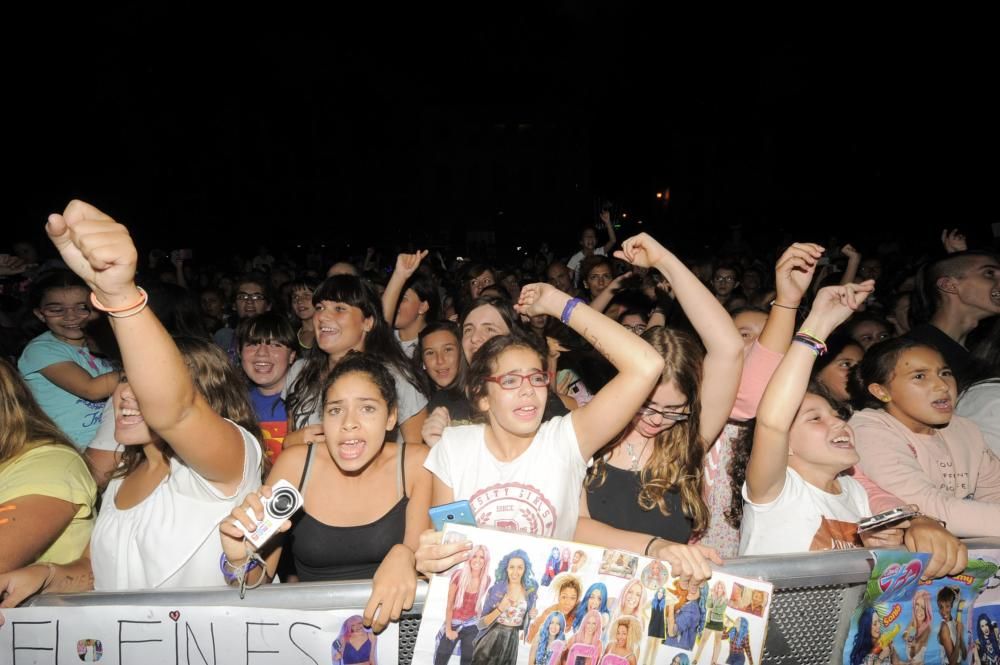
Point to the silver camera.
(284, 502)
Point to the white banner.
(127, 635)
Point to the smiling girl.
(349, 318)
(913, 445)
(68, 381)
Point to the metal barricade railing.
(814, 597)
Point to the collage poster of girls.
(904, 620)
(537, 601)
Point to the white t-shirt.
(804, 518)
(538, 493)
(408, 347)
(574, 261)
(980, 403)
(171, 539)
(409, 400)
(104, 439)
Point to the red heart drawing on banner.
(175, 615)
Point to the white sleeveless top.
(171, 539)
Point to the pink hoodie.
(950, 474)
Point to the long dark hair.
(305, 395)
(418, 358)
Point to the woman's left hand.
(394, 588)
(949, 555)
(690, 564)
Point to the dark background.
(224, 129)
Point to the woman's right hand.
(234, 542)
(451, 634)
(19, 585)
(794, 272)
(407, 264)
(434, 425)
(835, 304)
(98, 249)
(433, 556)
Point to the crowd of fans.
(689, 411)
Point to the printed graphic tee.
(538, 493)
(804, 518)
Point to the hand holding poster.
(906, 619)
(525, 600)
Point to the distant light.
(639, 222)
(659, 195)
(519, 248)
(624, 214)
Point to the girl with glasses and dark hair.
(512, 447)
(69, 382)
(644, 491)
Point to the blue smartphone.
(459, 512)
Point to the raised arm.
(723, 344)
(406, 265)
(100, 250)
(787, 388)
(610, 228)
(853, 261)
(792, 275)
(638, 364)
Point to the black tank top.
(325, 553)
(616, 502)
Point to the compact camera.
(284, 501)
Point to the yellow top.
(61, 473)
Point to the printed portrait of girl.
(508, 604)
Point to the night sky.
(200, 127)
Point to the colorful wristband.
(568, 309)
(225, 566)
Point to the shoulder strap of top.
(307, 468)
(401, 470)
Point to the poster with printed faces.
(527, 600)
(905, 618)
(985, 622)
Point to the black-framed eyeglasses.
(512, 381)
(638, 328)
(647, 412)
(253, 297)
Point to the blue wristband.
(231, 576)
(568, 309)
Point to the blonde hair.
(218, 382)
(678, 451)
(23, 423)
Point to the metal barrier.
(815, 595)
